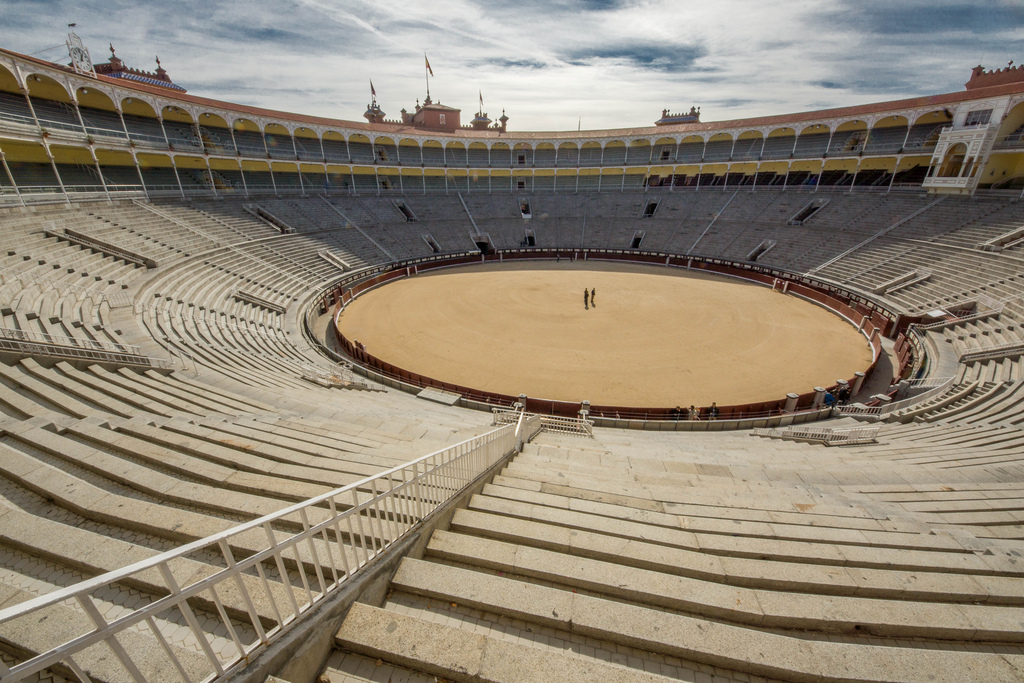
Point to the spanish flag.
(428, 64)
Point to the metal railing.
(547, 423)
(883, 410)
(827, 436)
(992, 351)
(39, 337)
(567, 425)
(325, 541)
(39, 344)
(956, 321)
(342, 378)
(923, 383)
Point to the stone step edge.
(716, 644)
(458, 655)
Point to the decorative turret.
(984, 79)
(668, 119)
(160, 73)
(504, 122)
(480, 121)
(373, 113)
(115, 63)
(115, 68)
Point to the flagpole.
(426, 73)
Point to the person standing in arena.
(586, 299)
(593, 297)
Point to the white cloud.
(616, 63)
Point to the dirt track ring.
(657, 336)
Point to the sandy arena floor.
(657, 337)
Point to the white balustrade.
(325, 541)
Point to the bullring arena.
(657, 339)
(204, 477)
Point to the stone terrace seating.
(633, 556)
(57, 287)
(138, 463)
(627, 559)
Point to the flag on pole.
(481, 99)
(372, 91)
(428, 64)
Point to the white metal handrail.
(341, 532)
(567, 425)
(992, 351)
(898, 405)
(57, 340)
(82, 353)
(548, 423)
(828, 436)
(994, 309)
(924, 382)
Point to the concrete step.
(129, 512)
(95, 554)
(59, 623)
(454, 654)
(796, 609)
(110, 389)
(199, 469)
(957, 559)
(732, 647)
(742, 571)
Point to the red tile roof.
(400, 130)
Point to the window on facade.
(442, 119)
(978, 117)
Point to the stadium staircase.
(627, 559)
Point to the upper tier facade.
(63, 133)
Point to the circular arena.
(291, 398)
(658, 338)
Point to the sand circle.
(652, 337)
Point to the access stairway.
(579, 562)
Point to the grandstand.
(201, 480)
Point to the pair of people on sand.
(589, 298)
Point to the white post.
(857, 383)
(819, 397)
(791, 400)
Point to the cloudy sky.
(548, 63)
